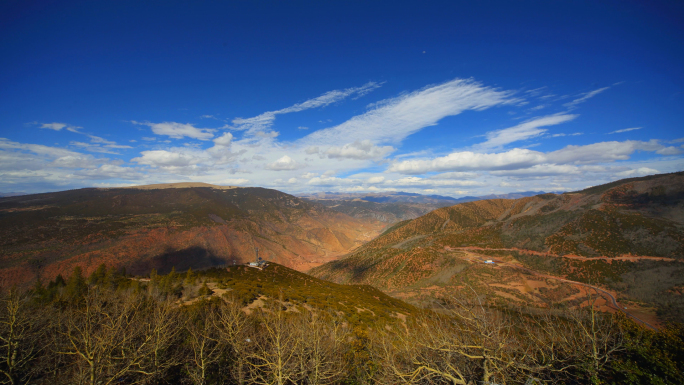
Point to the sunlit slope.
(140, 229)
(275, 282)
(640, 216)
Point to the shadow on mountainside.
(194, 257)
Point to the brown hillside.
(602, 235)
(140, 229)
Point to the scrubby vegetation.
(109, 328)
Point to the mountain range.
(392, 207)
(160, 226)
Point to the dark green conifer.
(190, 277)
(57, 283)
(205, 290)
(98, 275)
(76, 286)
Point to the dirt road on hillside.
(631, 258)
(604, 293)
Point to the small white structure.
(258, 263)
(490, 262)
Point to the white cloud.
(221, 149)
(584, 97)
(415, 181)
(522, 158)
(74, 161)
(641, 171)
(98, 144)
(265, 121)
(178, 130)
(360, 150)
(163, 158)
(224, 140)
(53, 126)
(540, 170)
(601, 152)
(267, 134)
(625, 130)
(326, 180)
(376, 179)
(454, 175)
(39, 167)
(402, 116)
(59, 126)
(312, 150)
(284, 163)
(92, 147)
(109, 171)
(302, 128)
(467, 160)
(669, 151)
(39, 149)
(536, 91)
(234, 182)
(523, 131)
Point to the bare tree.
(321, 352)
(161, 326)
(103, 334)
(595, 338)
(21, 338)
(277, 342)
(470, 344)
(233, 327)
(204, 343)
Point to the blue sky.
(445, 97)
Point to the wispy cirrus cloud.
(584, 97)
(396, 118)
(264, 121)
(496, 140)
(625, 130)
(98, 144)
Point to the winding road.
(596, 288)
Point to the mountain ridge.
(574, 235)
(140, 229)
